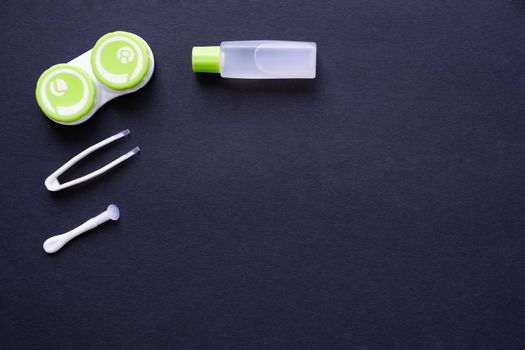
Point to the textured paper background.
(380, 206)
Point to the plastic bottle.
(261, 59)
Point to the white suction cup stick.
(53, 244)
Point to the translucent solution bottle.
(260, 59)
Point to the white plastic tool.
(52, 182)
(53, 244)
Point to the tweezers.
(54, 185)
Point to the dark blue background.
(379, 206)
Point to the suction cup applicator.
(53, 244)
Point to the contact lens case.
(70, 93)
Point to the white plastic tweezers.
(54, 185)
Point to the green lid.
(120, 60)
(206, 59)
(65, 93)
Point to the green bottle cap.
(206, 59)
(65, 93)
(120, 60)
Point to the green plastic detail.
(120, 60)
(206, 59)
(65, 93)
